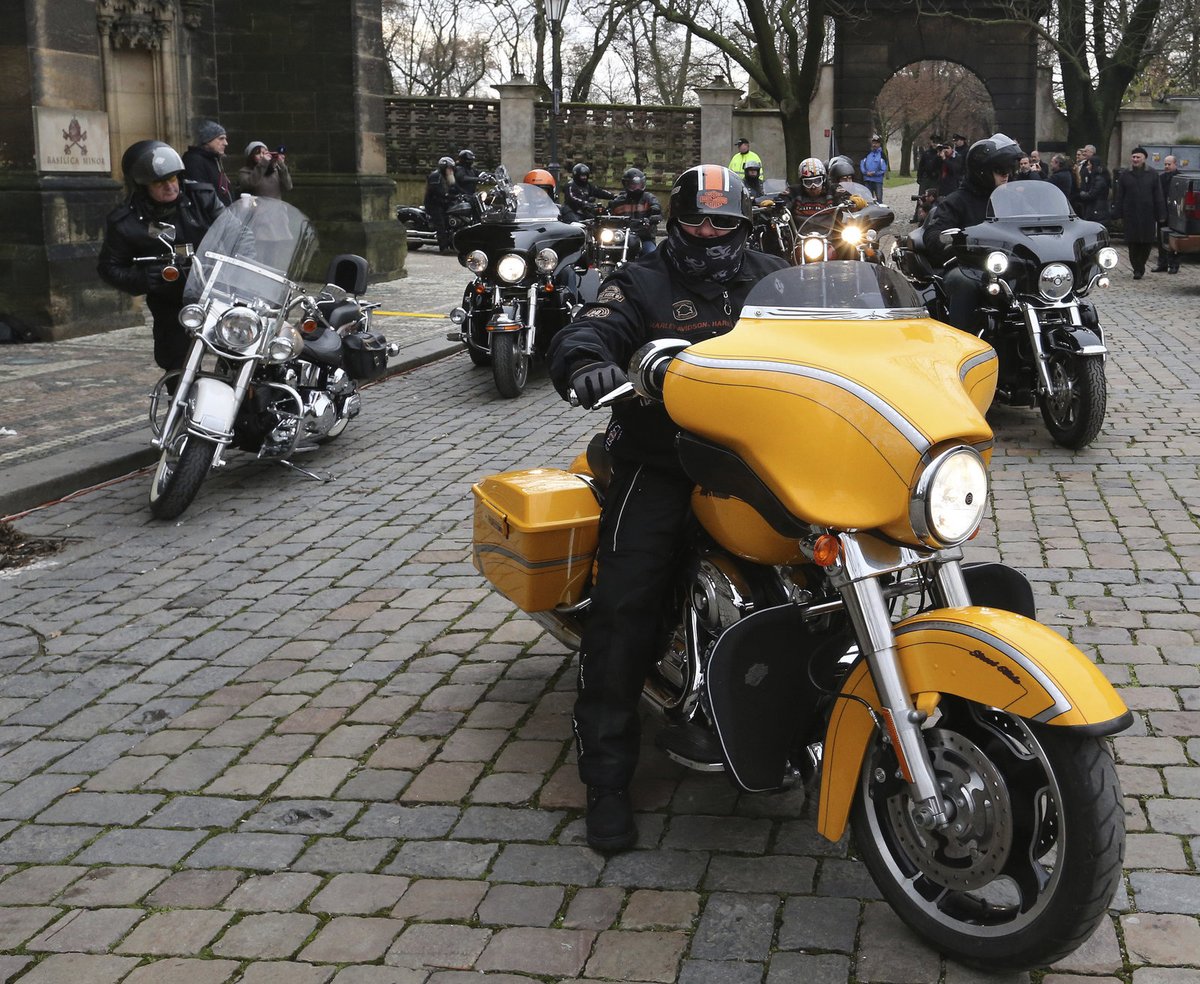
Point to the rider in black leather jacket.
(637, 203)
(579, 196)
(990, 163)
(159, 195)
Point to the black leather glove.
(594, 380)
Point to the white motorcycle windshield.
(257, 249)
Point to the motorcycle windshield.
(256, 250)
(1028, 199)
(837, 290)
(533, 204)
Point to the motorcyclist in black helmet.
(752, 179)
(158, 194)
(441, 191)
(692, 288)
(990, 163)
(465, 175)
(579, 196)
(639, 204)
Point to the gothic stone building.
(80, 80)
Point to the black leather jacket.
(580, 199)
(959, 209)
(644, 300)
(127, 235)
(638, 205)
(204, 167)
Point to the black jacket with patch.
(645, 300)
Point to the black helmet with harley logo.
(710, 191)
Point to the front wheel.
(510, 364)
(1032, 856)
(182, 468)
(1074, 411)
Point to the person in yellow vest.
(743, 157)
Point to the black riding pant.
(964, 292)
(1139, 253)
(171, 339)
(641, 531)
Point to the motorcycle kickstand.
(315, 476)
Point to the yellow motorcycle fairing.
(836, 417)
(992, 657)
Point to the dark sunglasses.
(726, 223)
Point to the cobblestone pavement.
(293, 737)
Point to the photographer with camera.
(265, 172)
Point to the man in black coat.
(202, 161)
(1140, 206)
(1061, 175)
(692, 288)
(159, 195)
(1168, 259)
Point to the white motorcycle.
(272, 369)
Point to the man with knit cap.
(202, 160)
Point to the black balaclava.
(717, 259)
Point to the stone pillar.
(54, 207)
(518, 124)
(716, 121)
(311, 75)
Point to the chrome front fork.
(872, 620)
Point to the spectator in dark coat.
(1035, 158)
(1140, 206)
(1061, 175)
(1168, 259)
(1093, 192)
(949, 175)
(202, 160)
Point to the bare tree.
(932, 97)
(433, 49)
(778, 43)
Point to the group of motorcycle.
(825, 630)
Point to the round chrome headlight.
(996, 263)
(511, 268)
(814, 248)
(852, 235)
(608, 236)
(948, 504)
(1107, 258)
(286, 345)
(238, 328)
(1055, 281)
(192, 316)
(546, 260)
(476, 261)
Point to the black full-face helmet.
(148, 161)
(634, 179)
(466, 157)
(713, 192)
(580, 173)
(991, 155)
(840, 167)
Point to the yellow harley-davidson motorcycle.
(826, 628)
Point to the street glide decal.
(684, 310)
(1013, 670)
(610, 295)
(881, 407)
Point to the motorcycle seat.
(324, 347)
(340, 314)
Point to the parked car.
(1182, 231)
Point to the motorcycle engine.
(720, 594)
(319, 415)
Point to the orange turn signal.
(170, 274)
(826, 550)
(308, 326)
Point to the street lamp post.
(555, 11)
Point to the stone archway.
(871, 48)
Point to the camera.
(281, 149)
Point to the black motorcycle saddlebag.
(365, 355)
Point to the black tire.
(1074, 413)
(1034, 871)
(510, 365)
(181, 470)
(478, 356)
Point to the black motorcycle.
(419, 227)
(526, 264)
(612, 241)
(1033, 261)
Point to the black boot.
(1173, 264)
(610, 825)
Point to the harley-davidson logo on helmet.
(712, 199)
